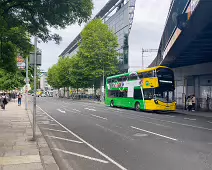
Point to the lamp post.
(35, 90)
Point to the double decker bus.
(150, 89)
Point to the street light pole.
(103, 82)
(35, 90)
(27, 82)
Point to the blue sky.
(149, 22)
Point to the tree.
(53, 77)
(98, 50)
(13, 42)
(77, 73)
(37, 16)
(11, 80)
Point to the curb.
(47, 159)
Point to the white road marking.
(209, 122)
(188, 118)
(154, 133)
(88, 144)
(55, 137)
(90, 109)
(55, 130)
(99, 117)
(51, 124)
(170, 116)
(140, 135)
(82, 156)
(62, 111)
(76, 110)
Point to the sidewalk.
(17, 151)
(195, 113)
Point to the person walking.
(193, 100)
(189, 103)
(19, 99)
(3, 101)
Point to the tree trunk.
(64, 92)
(68, 93)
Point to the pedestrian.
(19, 99)
(189, 103)
(3, 101)
(193, 100)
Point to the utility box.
(32, 59)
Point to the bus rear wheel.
(111, 103)
(137, 106)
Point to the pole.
(142, 58)
(103, 83)
(35, 90)
(27, 82)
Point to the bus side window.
(124, 78)
(109, 81)
(123, 94)
(119, 79)
(133, 77)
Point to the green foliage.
(37, 16)
(13, 42)
(97, 56)
(78, 77)
(53, 77)
(98, 50)
(11, 80)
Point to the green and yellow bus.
(150, 89)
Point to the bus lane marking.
(157, 134)
(82, 156)
(69, 140)
(99, 117)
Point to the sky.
(148, 25)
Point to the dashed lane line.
(98, 117)
(186, 118)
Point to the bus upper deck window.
(124, 78)
(148, 74)
(140, 75)
(133, 77)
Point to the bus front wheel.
(137, 106)
(112, 103)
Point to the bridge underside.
(194, 45)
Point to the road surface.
(91, 136)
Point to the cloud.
(146, 32)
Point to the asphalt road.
(92, 136)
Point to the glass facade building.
(118, 15)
